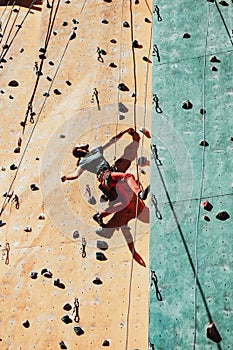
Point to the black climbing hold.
(106, 343)
(136, 2)
(97, 281)
(51, 63)
(37, 158)
(42, 56)
(17, 150)
(102, 245)
(2, 223)
(207, 205)
(21, 50)
(231, 138)
(91, 200)
(3, 91)
(206, 218)
(203, 143)
(13, 83)
(62, 136)
(222, 215)
(11, 58)
(135, 44)
(28, 229)
(123, 87)
(65, 23)
(214, 69)
(107, 0)
(44, 270)
(48, 78)
(186, 35)
(58, 284)
(75, 21)
(146, 59)
(223, 3)
(54, 32)
(66, 319)
(46, 94)
(126, 24)
(112, 65)
(34, 187)
(13, 167)
(62, 345)
(57, 92)
(187, 105)
(214, 59)
(22, 124)
(73, 35)
(67, 307)
(147, 20)
(103, 52)
(133, 94)
(100, 256)
(104, 21)
(103, 198)
(48, 274)
(33, 275)
(202, 111)
(11, 97)
(26, 324)
(212, 333)
(42, 49)
(15, 10)
(78, 330)
(68, 83)
(113, 41)
(75, 234)
(3, 60)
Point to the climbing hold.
(207, 205)
(42, 49)
(112, 65)
(73, 35)
(13, 83)
(21, 50)
(78, 330)
(13, 167)
(91, 200)
(223, 3)
(33, 275)
(62, 136)
(3, 91)
(42, 57)
(17, 150)
(187, 105)
(44, 270)
(145, 132)
(103, 52)
(106, 343)
(41, 217)
(48, 274)
(48, 78)
(212, 333)
(75, 234)
(136, 2)
(2, 223)
(147, 20)
(135, 44)
(126, 24)
(11, 97)
(46, 94)
(97, 281)
(65, 23)
(123, 87)
(54, 32)
(34, 187)
(214, 69)
(100, 256)
(67, 307)
(58, 284)
(142, 160)
(104, 21)
(62, 345)
(103, 198)
(68, 83)
(66, 319)
(51, 63)
(122, 108)
(203, 143)
(222, 215)
(206, 218)
(102, 245)
(57, 92)
(202, 111)
(186, 35)
(146, 59)
(121, 117)
(75, 21)
(28, 229)
(214, 59)
(113, 41)
(26, 324)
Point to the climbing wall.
(191, 176)
(71, 72)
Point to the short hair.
(78, 150)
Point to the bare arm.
(72, 176)
(116, 138)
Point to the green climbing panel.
(185, 236)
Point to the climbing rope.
(8, 19)
(201, 180)
(12, 26)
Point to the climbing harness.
(155, 52)
(155, 204)
(76, 310)
(157, 11)
(154, 282)
(83, 249)
(155, 154)
(155, 101)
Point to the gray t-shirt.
(94, 160)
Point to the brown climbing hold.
(212, 333)
(214, 59)
(207, 205)
(222, 215)
(187, 105)
(26, 324)
(41, 217)
(203, 143)
(13, 83)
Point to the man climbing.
(111, 179)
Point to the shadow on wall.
(24, 3)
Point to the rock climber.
(110, 178)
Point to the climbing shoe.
(98, 219)
(143, 194)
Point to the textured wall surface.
(191, 248)
(49, 49)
